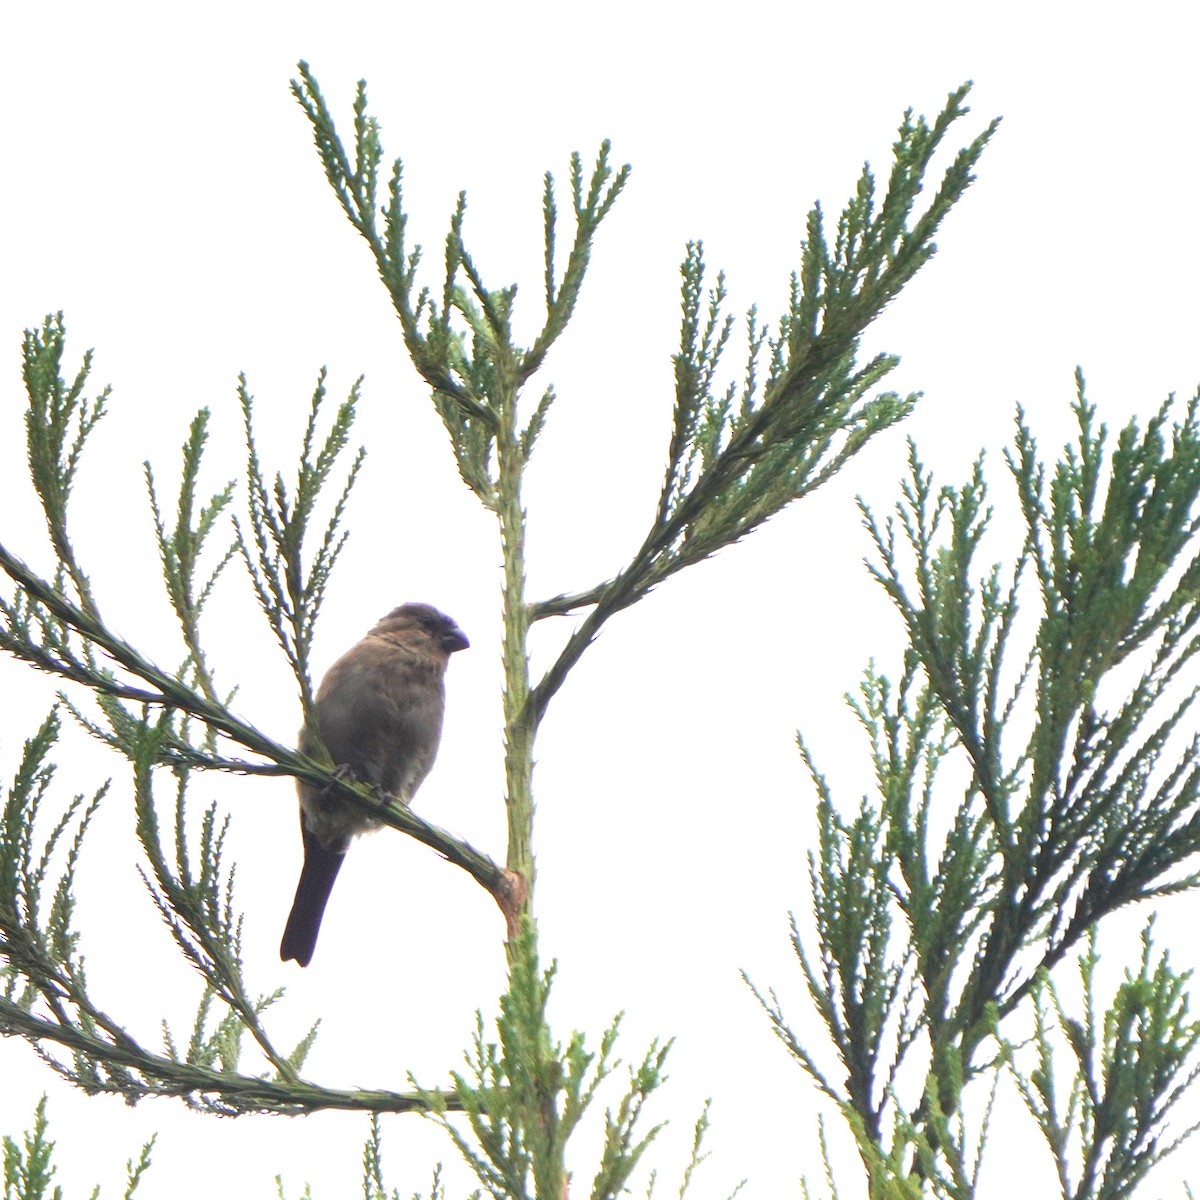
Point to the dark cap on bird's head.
(442, 629)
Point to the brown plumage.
(379, 712)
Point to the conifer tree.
(929, 944)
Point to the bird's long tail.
(321, 866)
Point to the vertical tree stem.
(519, 726)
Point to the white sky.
(162, 189)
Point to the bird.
(379, 713)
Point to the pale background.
(161, 188)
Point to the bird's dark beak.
(454, 639)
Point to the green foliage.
(1129, 1071)
(730, 467)
(27, 1175)
(524, 1095)
(57, 625)
(39, 944)
(935, 926)
(194, 897)
(373, 1186)
(159, 720)
(290, 596)
(180, 550)
(740, 464)
(461, 344)
(57, 424)
(1082, 821)
(29, 1169)
(737, 454)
